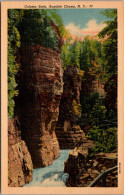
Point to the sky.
(83, 22)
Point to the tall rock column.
(40, 88)
(67, 130)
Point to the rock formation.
(91, 84)
(67, 130)
(83, 169)
(37, 106)
(20, 168)
(111, 93)
(60, 38)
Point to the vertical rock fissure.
(67, 130)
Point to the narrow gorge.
(62, 104)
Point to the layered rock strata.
(20, 168)
(83, 169)
(67, 130)
(40, 88)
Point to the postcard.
(62, 97)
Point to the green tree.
(14, 17)
(71, 53)
(105, 140)
(75, 53)
(65, 55)
(91, 54)
(109, 36)
(35, 28)
(55, 17)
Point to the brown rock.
(40, 89)
(70, 109)
(83, 169)
(91, 84)
(20, 168)
(95, 163)
(86, 175)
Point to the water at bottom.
(51, 176)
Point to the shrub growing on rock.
(105, 139)
(93, 109)
(97, 114)
(76, 109)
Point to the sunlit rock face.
(20, 168)
(67, 130)
(40, 88)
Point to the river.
(53, 175)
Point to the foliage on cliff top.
(55, 17)
(36, 28)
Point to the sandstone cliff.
(37, 106)
(67, 130)
(20, 168)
